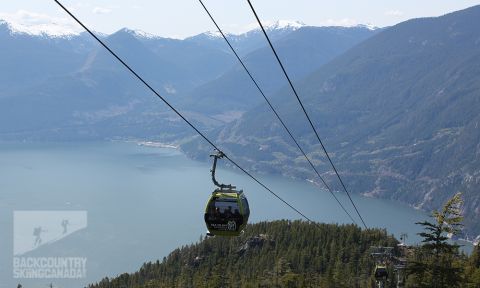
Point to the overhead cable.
(305, 111)
(180, 114)
(274, 111)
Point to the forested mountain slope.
(282, 253)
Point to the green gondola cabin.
(227, 212)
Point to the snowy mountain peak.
(213, 34)
(284, 24)
(137, 33)
(253, 27)
(51, 30)
(368, 26)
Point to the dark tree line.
(299, 254)
(268, 254)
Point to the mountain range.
(396, 107)
(81, 92)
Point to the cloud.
(395, 13)
(37, 23)
(101, 10)
(82, 4)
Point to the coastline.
(156, 144)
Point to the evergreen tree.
(437, 263)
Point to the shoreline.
(156, 144)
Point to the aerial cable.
(274, 111)
(180, 115)
(305, 111)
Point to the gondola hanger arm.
(218, 155)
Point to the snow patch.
(253, 27)
(137, 33)
(36, 24)
(368, 26)
(347, 23)
(213, 34)
(284, 24)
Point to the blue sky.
(182, 18)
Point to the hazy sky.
(181, 18)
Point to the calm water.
(143, 202)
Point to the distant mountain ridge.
(75, 83)
(54, 30)
(248, 41)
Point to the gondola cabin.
(227, 212)
(381, 272)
